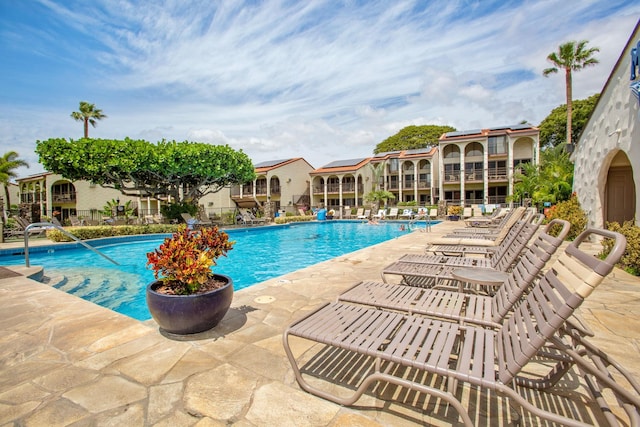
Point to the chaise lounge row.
(480, 334)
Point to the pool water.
(259, 254)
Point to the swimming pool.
(259, 254)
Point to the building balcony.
(474, 176)
(63, 198)
(451, 178)
(498, 174)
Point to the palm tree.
(571, 56)
(88, 114)
(9, 162)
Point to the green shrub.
(411, 203)
(174, 210)
(630, 261)
(85, 233)
(298, 218)
(571, 211)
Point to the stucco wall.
(613, 126)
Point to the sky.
(322, 80)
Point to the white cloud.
(321, 80)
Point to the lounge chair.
(504, 221)
(75, 221)
(489, 253)
(380, 214)
(461, 306)
(191, 220)
(360, 213)
(487, 358)
(486, 221)
(365, 215)
(346, 212)
(393, 213)
(467, 213)
(454, 243)
(254, 219)
(505, 256)
(20, 227)
(406, 214)
(494, 269)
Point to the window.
(497, 145)
(451, 152)
(474, 150)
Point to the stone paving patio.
(65, 361)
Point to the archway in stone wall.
(619, 191)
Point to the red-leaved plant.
(184, 260)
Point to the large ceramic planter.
(190, 314)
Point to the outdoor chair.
(487, 221)
(380, 214)
(490, 359)
(507, 221)
(75, 221)
(393, 213)
(406, 214)
(346, 212)
(364, 215)
(360, 213)
(494, 269)
(489, 253)
(463, 306)
(194, 221)
(462, 244)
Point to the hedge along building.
(607, 156)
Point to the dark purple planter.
(190, 314)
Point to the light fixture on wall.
(616, 131)
(289, 180)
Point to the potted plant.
(187, 297)
(454, 212)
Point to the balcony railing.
(63, 198)
(473, 176)
(452, 178)
(497, 174)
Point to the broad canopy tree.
(186, 171)
(413, 137)
(553, 129)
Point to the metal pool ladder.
(65, 232)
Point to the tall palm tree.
(571, 56)
(9, 162)
(88, 114)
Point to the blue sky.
(323, 80)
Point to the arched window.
(474, 150)
(451, 152)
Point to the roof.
(429, 151)
(348, 165)
(498, 130)
(270, 165)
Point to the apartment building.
(477, 166)
(409, 174)
(282, 183)
(52, 193)
(340, 183)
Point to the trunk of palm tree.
(86, 127)
(569, 106)
(7, 202)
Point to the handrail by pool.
(65, 232)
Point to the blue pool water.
(259, 254)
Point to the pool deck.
(66, 361)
